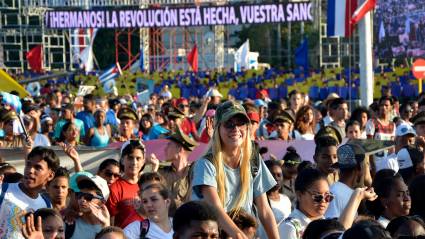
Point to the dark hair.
(306, 178)
(304, 164)
(110, 229)
(12, 177)
(357, 113)
(242, 219)
(192, 211)
(65, 128)
(385, 98)
(324, 142)
(318, 228)
(383, 183)
(352, 123)
(366, 229)
(293, 92)
(417, 156)
(291, 155)
(417, 195)
(400, 223)
(62, 172)
(5, 167)
(89, 97)
(272, 163)
(334, 104)
(150, 119)
(163, 191)
(44, 213)
(48, 155)
(105, 163)
(153, 177)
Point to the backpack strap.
(144, 228)
(69, 230)
(46, 200)
(4, 187)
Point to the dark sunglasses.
(110, 174)
(183, 106)
(318, 198)
(87, 196)
(233, 124)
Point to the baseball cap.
(260, 103)
(350, 156)
(404, 129)
(73, 180)
(210, 113)
(227, 110)
(254, 116)
(98, 181)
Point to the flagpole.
(366, 64)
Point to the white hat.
(213, 92)
(403, 158)
(100, 183)
(404, 129)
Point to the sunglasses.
(110, 174)
(318, 198)
(233, 124)
(87, 196)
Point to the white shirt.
(306, 136)
(383, 221)
(16, 203)
(287, 229)
(342, 195)
(41, 140)
(387, 162)
(282, 208)
(132, 231)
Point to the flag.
(35, 58)
(242, 56)
(381, 31)
(192, 58)
(367, 6)
(107, 79)
(8, 84)
(339, 15)
(142, 60)
(11, 100)
(86, 55)
(301, 54)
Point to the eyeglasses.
(318, 198)
(233, 124)
(110, 174)
(87, 196)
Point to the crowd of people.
(365, 180)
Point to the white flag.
(381, 31)
(241, 56)
(86, 56)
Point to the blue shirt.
(87, 118)
(111, 119)
(156, 131)
(204, 173)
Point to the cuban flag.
(107, 79)
(12, 100)
(339, 17)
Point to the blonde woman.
(231, 176)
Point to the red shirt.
(188, 127)
(205, 138)
(133, 217)
(123, 200)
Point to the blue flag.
(301, 55)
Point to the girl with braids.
(232, 175)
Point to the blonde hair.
(245, 167)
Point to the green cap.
(283, 116)
(11, 115)
(127, 113)
(227, 110)
(183, 139)
(328, 131)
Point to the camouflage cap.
(227, 110)
(176, 113)
(127, 113)
(183, 139)
(350, 156)
(11, 115)
(328, 131)
(419, 118)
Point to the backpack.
(5, 186)
(254, 162)
(144, 228)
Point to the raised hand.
(101, 213)
(154, 161)
(31, 231)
